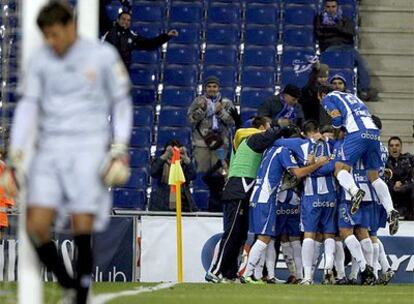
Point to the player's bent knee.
(344, 233)
(361, 233)
(341, 166)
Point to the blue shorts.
(262, 218)
(288, 221)
(318, 213)
(361, 219)
(363, 145)
(378, 218)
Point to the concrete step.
(403, 112)
(391, 62)
(390, 84)
(387, 16)
(402, 97)
(386, 39)
(390, 126)
(392, 3)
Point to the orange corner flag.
(176, 172)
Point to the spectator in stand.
(336, 32)
(401, 183)
(126, 41)
(162, 199)
(338, 82)
(283, 109)
(211, 118)
(309, 98)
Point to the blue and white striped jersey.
(275, 161)
(348, 111)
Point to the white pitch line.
(103, 298)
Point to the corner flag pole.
(175, 179)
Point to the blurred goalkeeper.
(70, 89)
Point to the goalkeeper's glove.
(116, 168)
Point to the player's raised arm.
(304, 171)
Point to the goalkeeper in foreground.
(70, 89)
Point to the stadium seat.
(253, 97)
(177, 96)
(145, 57)
(141, 96)
(299, 15)
(224, 13)
(129, 199)
(140, 137)
(226, 74)
(138, 179)
(143, 116)
(112, 11)
(349, 77)
(338, 59)
(198, 183)
(295, 56)
(349, 11)
(258, 77)
(186, 12)
(201, 199)
(173, 117)
(148, 12)
(290, 76)
(260, 35)
(298, 36)
(218, 55)
(146, 75)
(314, 2)
(223, 34)
(187, 33)
(228, 92)
(259, 56)
(261, 14)
(247, 113)
(147, 30)
(347, 2)
(139, 158)
(183, 135)
(178, 75)
(183, 54)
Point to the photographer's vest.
(244, 161)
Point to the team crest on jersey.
(334, 113)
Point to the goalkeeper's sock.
(49, 256)
(83, 266)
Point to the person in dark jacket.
(126, 41)
(283, 109)
(312, 108)
(215, 179)
(161, 198)
(336, 32)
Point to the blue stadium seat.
(201, 199)
(224, 13)
(289, 76)
(148, 12)
(300, 14)
(146, 75)
(247, 113)
(183, 135)
(347, 2)
(226, 74)
(258, 77)
(187, 33)
(183, 54)
(260, 35)
(295, 56)
(139, 158)
(276, 2)
(141, 96)
(129, 199)
(314, 2)
(219, 55)
(261, 14)
(173, 117)
(138, 179)
(140, 137)
(186, 12)
(223, 34)
(178, 75)
(147, 30)
(145, 57)
(349, 77)
(259, 56)
(298, 36)
(177, 96)
(143, 116)
(338, 59)
(228, 92)
(253, 97)
(349, 11)
(198, 182)
(112, 11)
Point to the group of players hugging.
(309, 189)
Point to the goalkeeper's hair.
(259, 121)
(53, 13)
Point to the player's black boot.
(367, 276)
(393, 221)
(356, 201)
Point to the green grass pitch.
(252, 294)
